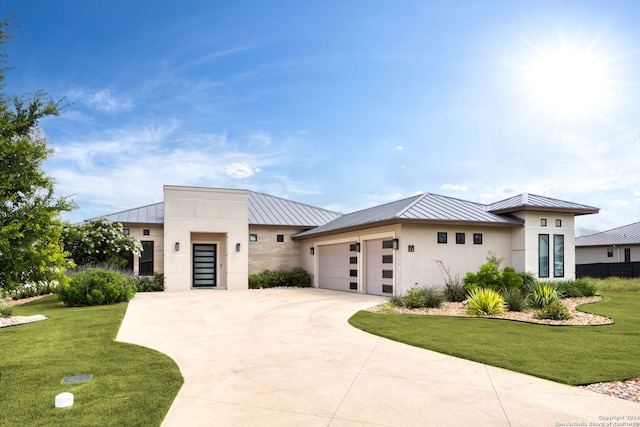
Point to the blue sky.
(338, 104)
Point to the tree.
(30, 226)
(99, 241)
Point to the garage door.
(338, 267)
(379, 268)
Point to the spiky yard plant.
(543, 294)
(485, 302)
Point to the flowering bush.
(33, 289)
(99, 240)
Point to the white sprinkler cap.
(64, 399)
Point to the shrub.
(510, 279)
(146, 284)
(543, 294)
(420, 297)
(553, 311)
(528, 279)
(33, 290)
(485, 302)
(575, 288)
(514, 299)
(5, 310)
(297, 277)
(97, 286)
(490, 276)
(396, 300)
(454, 292)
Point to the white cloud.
(399, 147)
(619, 203)
(454, 187)
(102, 100)
(583, 146)
(239, 170)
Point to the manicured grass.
(568, 354)
(131, 385)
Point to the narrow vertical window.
(558, 255)
(543, 222)
(543, 255)
(145, 262)
(609, 253)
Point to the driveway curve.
(288, 357)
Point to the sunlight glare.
(568, 82)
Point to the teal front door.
(204, 265)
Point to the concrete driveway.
(288, 357)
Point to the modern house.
(614, 252)
(214, 238)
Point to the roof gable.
(424, 208)
(533, 202)
(625, 235)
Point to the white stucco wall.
(525, 242)
(205, 215)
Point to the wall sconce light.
(177, 246)
(312, 251)
(396, 244)
(358, 247)
(237, 247)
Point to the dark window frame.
(253, 237)
(477, 238)
(442, 237)
(461, 238)
(543, 261)
(609, 253)
(558, 255)
(280, 238)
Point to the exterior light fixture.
(237, 247)
(177, 246)
(312, 250)
(358, 247)
(396, 244)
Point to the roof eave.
(586, 211)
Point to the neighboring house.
(215, 238)
(614, 252)
(620, 244)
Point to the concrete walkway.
(288, 357)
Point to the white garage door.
(379, 267)
(338, 267)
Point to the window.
(543, 222)
(280, 238)
(387, 274)
(145, 232)
(558, 223)
(460, 238)
(353, 260)
(126, 231)
(387, 289)
(353, 273)
(353, 286)
(253, 237)
(610, 253)
(442, 237)
(477, 238)
(558, 255)
(145, 262)
(387, 244)
(387, 259)
(354, 247)
(627, 254)
(543, 255)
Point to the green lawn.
(568, 354)
(131, 385)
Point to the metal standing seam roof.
(263, 210)
(425, 207)
(270, 210)
(625, 235)
(150, 214)
(526, 201)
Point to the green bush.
(297, 277)
(485, 302)
(528, 279)
(514, 299)
(146, 284)
(421, 297)
(543, 294)
(454, 292)
(97, 286)
(553, 311)
(489, 276)
(396, 300)
(5, 310)
(575, 288)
